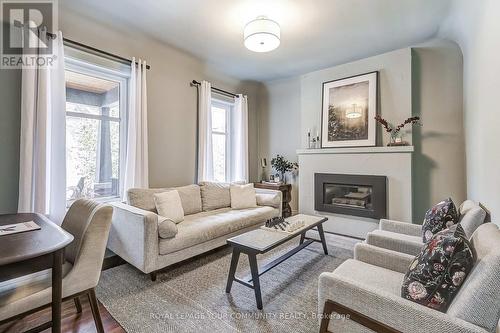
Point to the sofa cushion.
(168, 204)
(190, 198)
(215, 195)
(441, 216)
(437, 273)
(205, 226)
(371, 276)
(478, 301)
(243, 196)
(268, 199)
(143, 198)
(472, 219)
(166, 227)
(395, 241)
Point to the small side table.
(286, 189)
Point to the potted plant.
(282, 166)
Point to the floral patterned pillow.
(442, 216)
(436, 274)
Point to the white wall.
(172, 102)
(475, 26)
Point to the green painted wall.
(10, 122)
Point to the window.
(221, 112)
(95, 131)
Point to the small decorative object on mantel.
(313, 142)
(395, 131)
(282, 165)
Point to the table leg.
(254, 269)
(302, 238)
(57, 263)
(232, 269)
(322, 236)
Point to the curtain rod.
(70, 42)
(196, 83)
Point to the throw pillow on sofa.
(168, 204)
(436, 274)
(215, 195)
(243, 196)
(443, 215)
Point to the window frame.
(117, 75)
(228, 107)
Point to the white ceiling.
(314, 33)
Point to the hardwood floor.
(71, 320)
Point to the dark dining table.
(31, 251)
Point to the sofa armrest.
(401, 227)
(395, 261)
(134, 236)
(392, 310)
(272, 198)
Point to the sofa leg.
(153, 276)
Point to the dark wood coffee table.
(260, 241)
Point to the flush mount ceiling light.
(262, 35)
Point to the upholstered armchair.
(89, 223)
(363, 294)
(407, 237)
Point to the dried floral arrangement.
(391, 129)
(394, 131)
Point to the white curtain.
(205, 149)
(136, 164)
(239, 145)
(42, 169)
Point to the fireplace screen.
(353, 196)
(358, 195)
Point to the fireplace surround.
(355, 195)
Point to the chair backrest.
(478, 300)
(471, 216)
(89, 223)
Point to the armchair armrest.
(395, 261)
(271, 198)
(393, 311)
(401, 227)
(134, 236)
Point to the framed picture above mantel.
(348, 111)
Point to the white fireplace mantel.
(357, 150)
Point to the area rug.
(191, 297)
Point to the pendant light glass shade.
(354, 112)
(262, 35)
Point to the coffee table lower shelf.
(252, 280)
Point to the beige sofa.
(151, 242)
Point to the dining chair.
(89, 223)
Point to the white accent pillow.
(168, 204)
(243, 196)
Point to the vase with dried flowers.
(395, 131)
